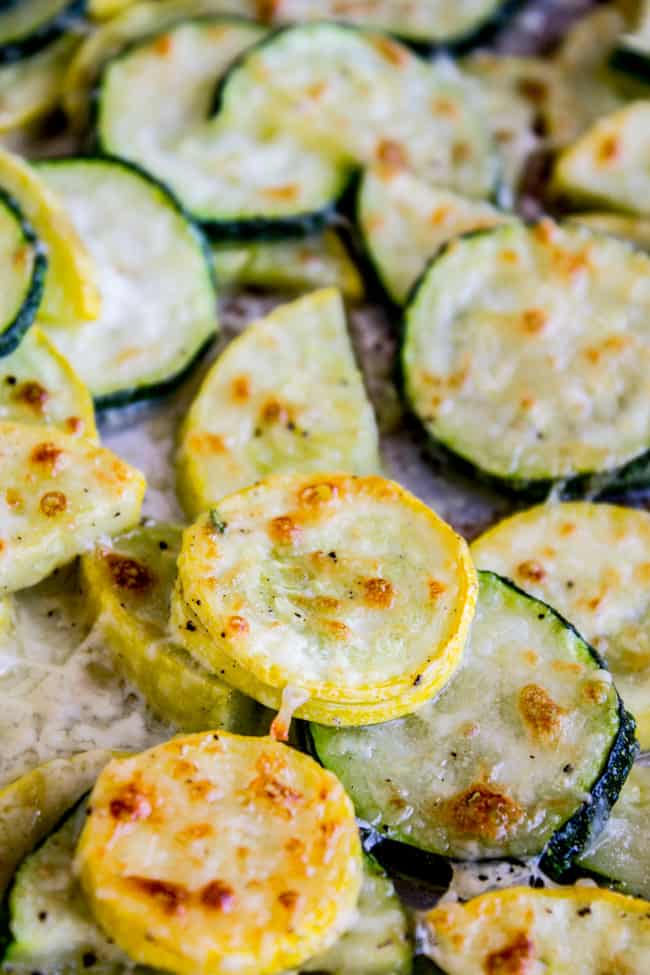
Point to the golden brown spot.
(566, 667)
(127, 573)
(131, 804)
(516, 958)
(534, 321)
(47, 454)
(595, 691)
(198, 831)
(289, 899)
(531, 570)
(207, 443)
(74, 424)
(394, 53)
(391, 153)
(53, 503)
(541, 715)
(336, 629)
(14, 499)
(241, 388)
(317, 494)
(483, 812)
(642, 572)
(21, 256)
(288, 191)
(268, 785)
(284, 530)
(545, 232)
(527, 402)
(436, 589)
(439, 216)
(378, 593)
(182, 769)
(202, 791)
(609, 149)
(170, 898)
(509, 256)
(33, 395)
(295, 845)
(533, 89)
(274, 411)
(163, 45)
(567, 528)
(218, 896)
(445, 107)
(461, 152)
(316, 90)
(531, 657)
(469, 729)
(236, 625)
(2, 545)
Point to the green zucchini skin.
(41, 35)
(632, 62)
(482, 33)
(13, 332)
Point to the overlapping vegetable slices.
(22, 270)
(30, 25)
(286, 396)
(29, 88)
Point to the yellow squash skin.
(591, 562)
(346, 588)
(214, 854)
(58, 494)
(521, 931)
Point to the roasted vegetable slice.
(592, 563)
(610, 164)
(286, 396)
(59, 494)
(22, 273)
(634, 229)
(29, 25)
(277, 156)
(194, 883)
(526, 353)
(31, 87)
(70, 293)
(620, 853)
(346, 589)
(158, 298)
(581, 930)
(525, 748)
(37, 385)
(290, 265)
(128, 584)
(405, 222)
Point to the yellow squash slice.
(31, 806)
(215, 853)
(128, 585)
(71, 294)
(591, 562)
(284, 396)
(524, 931)
(37, 385)
(610, 164)
(58, 494)
(32, 86)
(346, 589)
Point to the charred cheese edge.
(214, 852)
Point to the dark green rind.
(41, 35)
(632, 476)
(12, 333)
(572, 839)
(483, 33)
(138, 394)
(633, 62)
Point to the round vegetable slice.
(592, 563)
(158, 298)
(405, 222)
(346, 589)
(609, 164)
(526, 354)
(37, 385)
(226, 837)
(29, 25)
(22, 273)
(59, 494)
(70, 293)
(620, 853)
(30, 88)
(286, 396)
(128, 584)
(581, 930)
(525, 748)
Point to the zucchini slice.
(592, 563)
(60, 493)
(405, 222)
(581, 930)
(22, 275)
(158, 298)
(128, 585)
(522, 752)
(27, 26)
(346, 589)
(634, 229)
(31, 806)
(422, 22)
(37, 385)
(290, 265)
(610, 164)
(285, 397)
(71, 293)
(32, 87)
(276, 157)
(247, 835)
(620, 853)
(526, 354)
